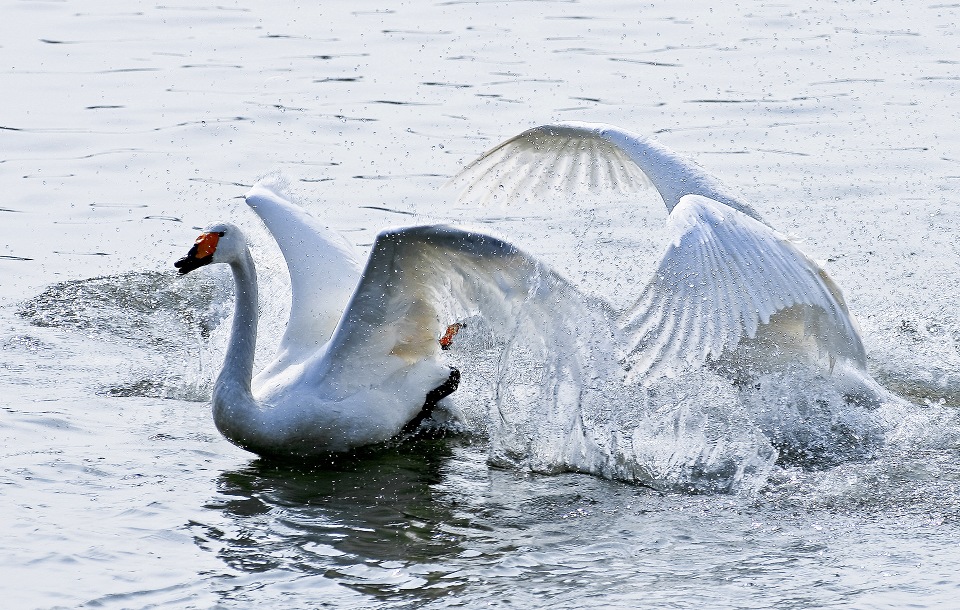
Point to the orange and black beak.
(200, 254)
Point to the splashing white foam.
(548, 407)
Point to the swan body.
(364, 380)
(728, 287)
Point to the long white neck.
(235, 412)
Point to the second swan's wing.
(724, 276)
(570, 157)
(549, 158)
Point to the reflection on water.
(415, 522)
(428, 524)
(377, 521)
(378, 505)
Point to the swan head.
(219, 243)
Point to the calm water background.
(124, 126)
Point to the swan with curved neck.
(299, 410)
(373, 375)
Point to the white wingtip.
(272, 186)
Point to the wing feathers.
(545, 159)
(722, 277)
(726, 275)
(420, 279)
(323, 267)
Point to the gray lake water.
(126, 126)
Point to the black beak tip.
(189, 263)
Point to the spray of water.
(553, 401)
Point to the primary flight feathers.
(725, 272)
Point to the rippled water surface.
(125, 126)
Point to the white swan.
(381, 364)
(728, 286)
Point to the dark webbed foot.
(435, 395)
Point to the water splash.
(170, 320)
(918, 355)
(701, 431)
(552, 407)
(181, 324)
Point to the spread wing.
(574, 156)
(722, 277)
(324, 269)
(549, 158)
(418, 280)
